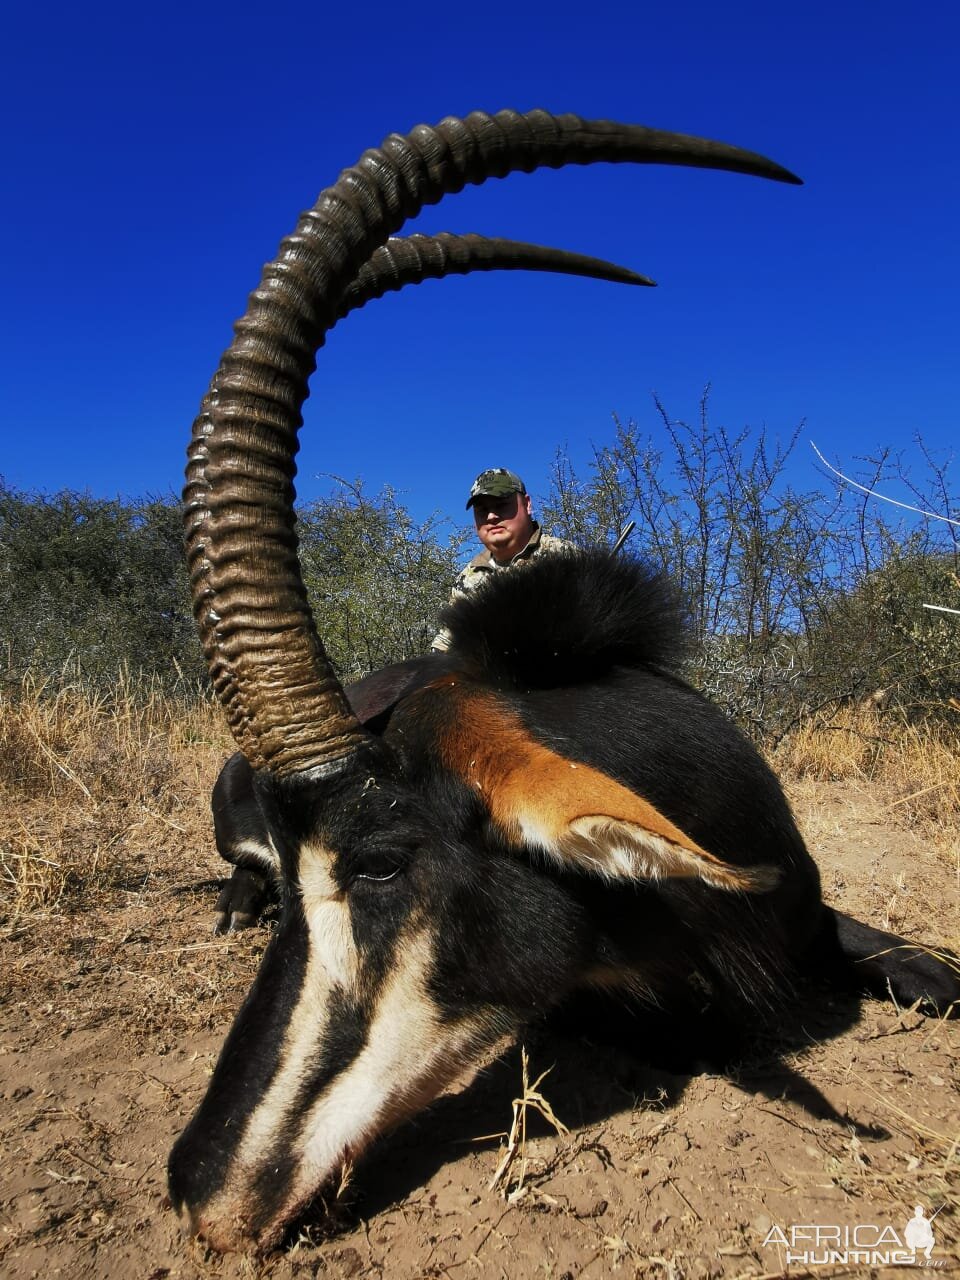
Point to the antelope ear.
(572, 812)
(649, 849)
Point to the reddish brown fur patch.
(527, 785)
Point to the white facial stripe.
(236, 1200)
(331, 961)
(328, 917)
(409, 1056)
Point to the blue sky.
(155, 157)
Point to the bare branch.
(931, 515)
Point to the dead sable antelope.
(465, 841)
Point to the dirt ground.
(846, 1116)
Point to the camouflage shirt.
(483, 566)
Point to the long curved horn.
(412, 259)
(284, 705)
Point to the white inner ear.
(264, 854)
(616, 848)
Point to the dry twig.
(517, 1137)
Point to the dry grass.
(86, 780)
(514, 1181)
(917, 765)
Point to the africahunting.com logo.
(865, 1244)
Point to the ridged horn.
(412, 259)
(284, 705)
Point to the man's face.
(504, 525)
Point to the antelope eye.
(379, 876)
(379, 867)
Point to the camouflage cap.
(498, 482)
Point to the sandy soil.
(112, 1017)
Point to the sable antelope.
(462, 842)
